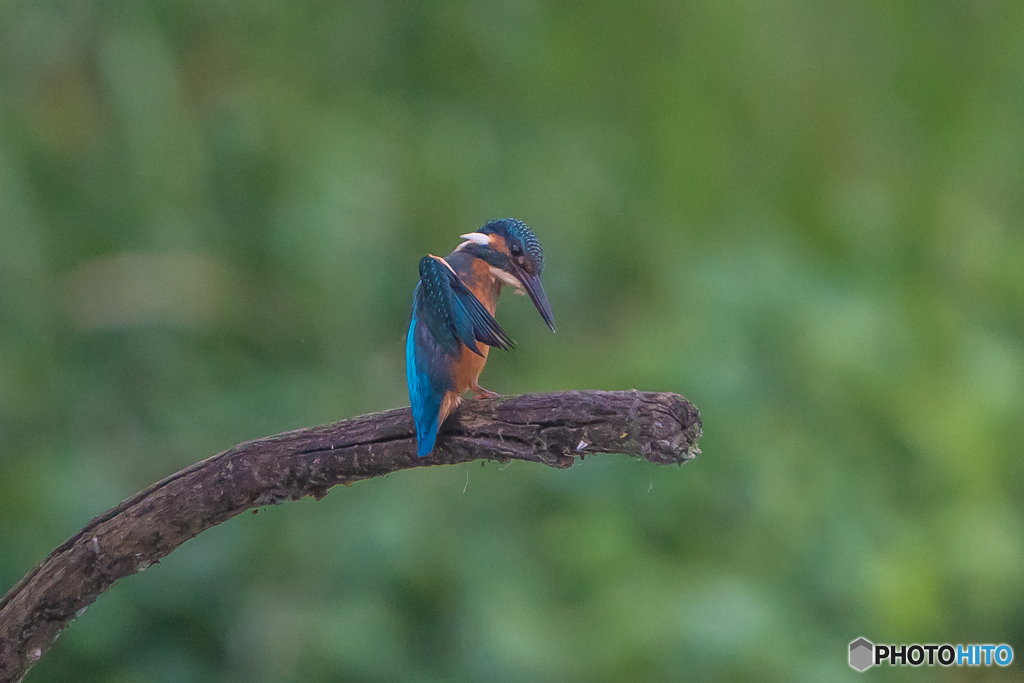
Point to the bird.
(452, 326)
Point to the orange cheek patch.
(499, 244)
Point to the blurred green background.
(804, 216)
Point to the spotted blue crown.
(513, 228)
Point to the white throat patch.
(507, 278)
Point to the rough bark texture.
(549, 428)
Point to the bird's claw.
(483, 393)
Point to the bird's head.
(514, 255)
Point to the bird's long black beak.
(536, 291)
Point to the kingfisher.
(453, 326)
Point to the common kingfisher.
(453, 326)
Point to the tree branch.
(547, 428)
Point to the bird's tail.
(426, 436)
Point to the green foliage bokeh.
(804, 216)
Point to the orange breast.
(477, 277)
(484, 285)
(469, 366)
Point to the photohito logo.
(865, 654)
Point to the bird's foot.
(481, 392)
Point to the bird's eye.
(516, 250)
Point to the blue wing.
(445, 312)
(452, 313)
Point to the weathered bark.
(547, 428)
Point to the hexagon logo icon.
(862, 653)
